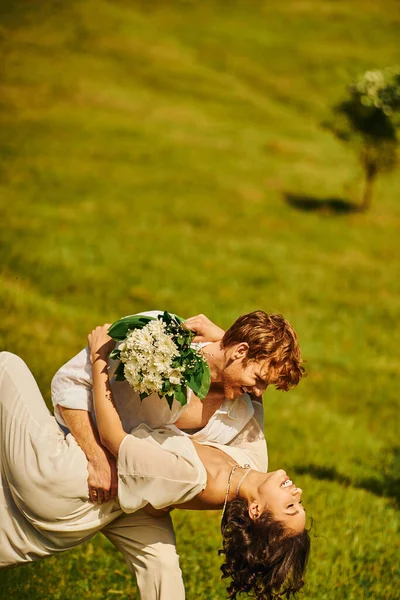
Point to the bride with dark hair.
(263, 556)
(44, 504)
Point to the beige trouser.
(148, 545)
(44, 506)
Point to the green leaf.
(166, 387)
(177, 361)
(194, 381)
(119, 330)
(168, 317)
(169, 398)
(205, 382)
(180, 394)
(165, 317)
(119, 372)
(202, 382)
(115, 354)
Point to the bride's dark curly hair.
(262, 556)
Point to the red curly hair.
(272, 339)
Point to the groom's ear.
(240, 351)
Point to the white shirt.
(237, 425)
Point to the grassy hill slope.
(171, 154)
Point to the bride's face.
(279, 495)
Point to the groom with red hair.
(258, 350)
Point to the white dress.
(44, 506)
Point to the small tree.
(367, 120)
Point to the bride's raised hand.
(99, 342)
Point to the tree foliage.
(368, 119)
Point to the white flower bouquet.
(156, 356)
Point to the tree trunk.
(370, 176)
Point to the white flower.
(158, 358)
(175, 377)
(147, 354)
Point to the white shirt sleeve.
(72, 385)
(249, 446)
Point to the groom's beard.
(232, 388)
(231, 379)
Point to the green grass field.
(171, 155)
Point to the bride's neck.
(248, 489)
(243, 483)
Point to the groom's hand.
(205, 330)
(102, 469)
(103, 477)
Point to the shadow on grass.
(387, 487)
(323, 205)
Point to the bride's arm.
(218, 466)
(108, 421)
